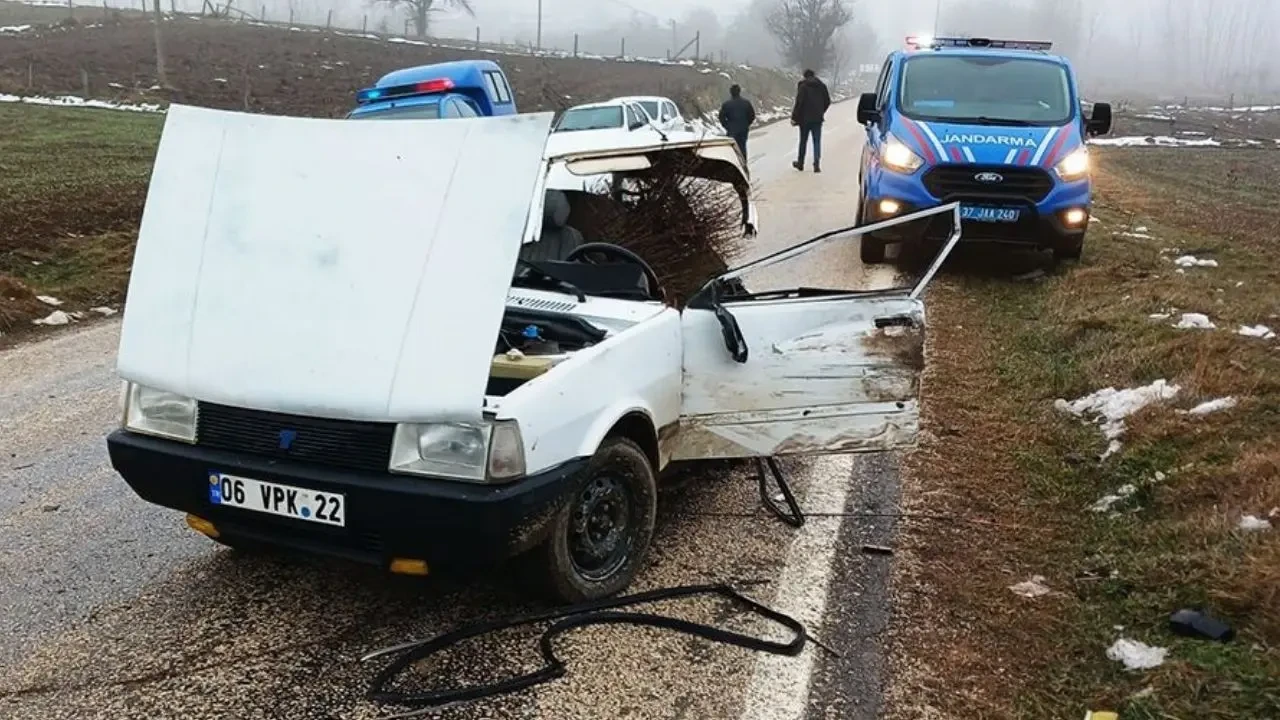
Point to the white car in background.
(617, 116)
(664, 113)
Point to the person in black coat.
(808, 113)
(736, 117)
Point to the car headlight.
(159, 413)
(1074, 166)
(483, 452)
(897, 156)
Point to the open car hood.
(578, 160)
(328, 267)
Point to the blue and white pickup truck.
(997, 125)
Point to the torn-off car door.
(797, 372)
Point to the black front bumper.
(446, 523)
(1031, 230)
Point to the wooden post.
(291, 15)
(697, 46)
(173, 7)
(364, 24)
(106, 12)
(71, 10)
(477, 37)
(575, 44)
(623, 54)
(328, 21)
(84, 82)
(31, 71)
(263, 15)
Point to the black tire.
(872, 251)
(576, 564)
(1069, 251)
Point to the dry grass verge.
(1023, 476)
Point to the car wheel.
(1071, 250)
(601, 535)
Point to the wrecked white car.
(382, 341)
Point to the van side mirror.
(1100, 122)
(867, 111)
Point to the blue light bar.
(919, 42)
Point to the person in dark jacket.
(812, 101)
(736, 117)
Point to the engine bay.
(531, 342)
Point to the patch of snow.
(1136, 655)
(1195, 321)
(1251, 523)
(115, 85)
(1193, 261)
(1138, 235)
(1141, 229)
(73, 101)
(1213, 406)
(1106, 502)
(1154, 141)
(104, 310)
(1153, 116)
(1032, 588)
(220, 80)
(57, 317)
(1256, 331)
(1159, 316)
(1109, 407)
(14, 28)
(49, 300)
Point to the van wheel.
(600, 537)
(872, 251)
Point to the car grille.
(954, 182)
(333, 443)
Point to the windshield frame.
(1072, 110)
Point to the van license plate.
(275, 499)
(978, 213)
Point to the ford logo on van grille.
(989, 177)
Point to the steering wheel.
(618, 253)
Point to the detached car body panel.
(398, 369)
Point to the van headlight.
(160, 413)
(1074, 166)
(491, 451)
(898, 157)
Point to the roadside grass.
(72, 185)
(999, 453)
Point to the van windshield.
(996, 90)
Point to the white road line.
(779, 688)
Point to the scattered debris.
(1033, 588)
(1159, 316)
(1137, 235)
(51, 507)
(1193, 623)
(1256, 331)
(104, 311)
(877, 550)
(1101, 715)
(1106, 502)
(1030, 276)
(1252, 523)
(1195, 321)
(1213, 406)
(49, 300)
(1136, 655)
(1193, 261)
(57, 317)
(1111, 406)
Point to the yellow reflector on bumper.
(202, 526)
(408, 566)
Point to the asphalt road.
(113, 609)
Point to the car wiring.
(609, 611)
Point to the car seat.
(557, 238)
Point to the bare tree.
(162, 77)
(419, 11)
(804, 30)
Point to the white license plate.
(275, 499)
